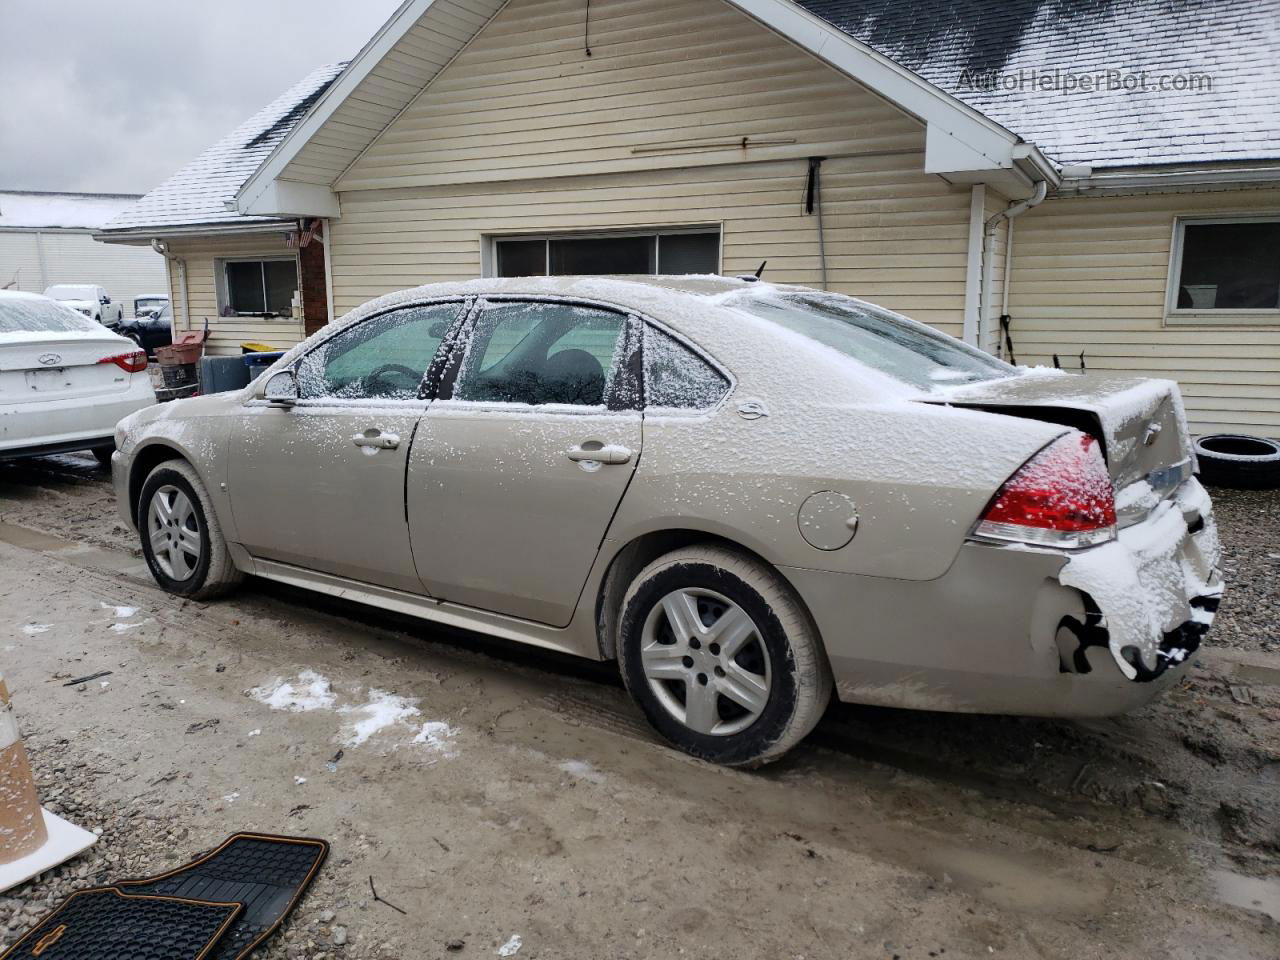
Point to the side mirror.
(281, 389)
(106, 300)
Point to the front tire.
(181, 540)
(721, 656)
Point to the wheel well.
(638, 554)
(144, 462)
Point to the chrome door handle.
(376, 438)
(597, 452)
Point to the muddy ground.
(527, 798)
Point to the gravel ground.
(1249, 525)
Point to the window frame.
(1228, 316)
(427, 388)
(489, 243)
(223, 285)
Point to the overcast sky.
(113, 97)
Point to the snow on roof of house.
(197, 194)
(1235, 43)
(74, 211)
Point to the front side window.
(259, 288)
(384, 358)
(689, 251)
(542, 353)
(675, 377)
(1226, 266)
(880, 339)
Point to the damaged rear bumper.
(1024, 630)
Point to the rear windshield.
(31, 314)
(879, 338)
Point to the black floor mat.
(267, 874)
(105, 924)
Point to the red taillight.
(133, 362)
(1061, 497)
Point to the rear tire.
(721, 656)
(181, 540)
(103, 454)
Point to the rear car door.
(521, 461)
(321, 484)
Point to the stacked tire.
(1239, 462)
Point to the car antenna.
(753, 277)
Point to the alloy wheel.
(706, 662)
(174, 530)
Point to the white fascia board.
(956, 131)
(391, 32)
(291, 198)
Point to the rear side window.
(676, 377)
(384, 358)
(540, 353)
(35, 315)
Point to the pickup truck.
(88, 299)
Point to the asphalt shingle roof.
(1236, 43)
(197, 194)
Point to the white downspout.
(988, 254)
(973, 265)
(328, 269)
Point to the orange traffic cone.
(31, 839)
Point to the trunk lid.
(1139, 422)
(41, 366)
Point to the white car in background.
(89, 299)
(65, 381)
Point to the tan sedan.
(750, 496)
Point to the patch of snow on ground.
(582, 770)
(383, 710)
(122, 627)
(31, 629)
(438, 735)
(120, 613)
(310, 691)
(511, 947)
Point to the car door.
(320, 484)
(520, 462)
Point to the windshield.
(879, 338)
(72, 291)
(146, 304)
(33, 314)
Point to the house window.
(684, 251)
(1225, 269)
(258, 288)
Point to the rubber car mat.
(104, 924)
(266, 873)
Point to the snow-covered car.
(149, 303)
(89, 299)
(65, 380)
(751, 496)
(150, 330)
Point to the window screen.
(539, 353)
(382, 358)
(675, 376)
(1230, 266)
